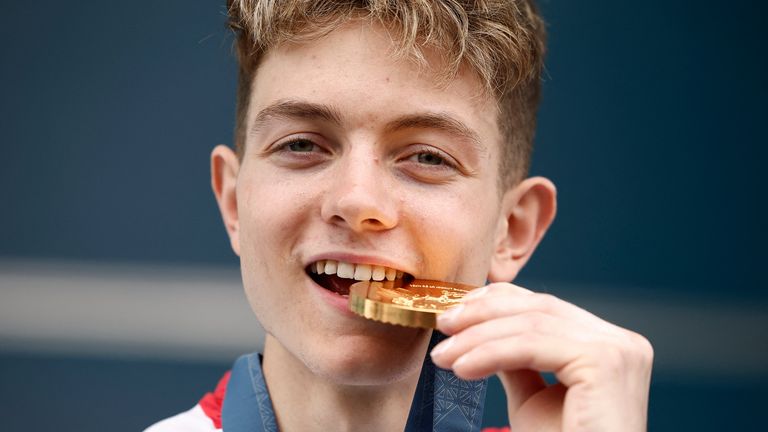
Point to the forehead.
(353, 70)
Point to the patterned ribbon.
(442, 402)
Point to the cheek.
(457, 235)
(271, 211)
(269, 217)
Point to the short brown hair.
(502, 41)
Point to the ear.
(224, 169)
(527, 211)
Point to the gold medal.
(414, 304)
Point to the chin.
(370, 361)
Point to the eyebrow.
(292, 109)
(437, 121)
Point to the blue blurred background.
(119, 296)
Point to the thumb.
(519, 386)
(532, 405)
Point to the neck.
(305, 401)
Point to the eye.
(299, 151)
(430, 159)
(429, 164)
(300, 145)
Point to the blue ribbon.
(442, 402)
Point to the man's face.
(358, 159)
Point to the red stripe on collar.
(211, 403)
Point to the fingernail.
(442, 347)
(476, 293)
(448, 316)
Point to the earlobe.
(224, 169)
(528, 209)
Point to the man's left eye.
(430, 159)
(431, 165)
(301, 146)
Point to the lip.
(359, 259)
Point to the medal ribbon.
(443, 402)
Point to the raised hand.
(603, 370)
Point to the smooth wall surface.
(652, 126)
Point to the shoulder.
(204, 417)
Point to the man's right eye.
(298, 152)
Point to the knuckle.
(631, 352)
(546, 302)
(643, 347)
(525, 351)
(490, 307)
(536, 322)
(481, 356)
(473, 310)
(613, 354)
(495, 288)
(469, 336)
(526, 342)
(490, 350)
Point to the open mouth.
(338, 276)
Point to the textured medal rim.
(406, 316)
(392, 314)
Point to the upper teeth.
(362, 272)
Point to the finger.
(520, 386)
(496, 288)
(543, 411)
(528, 323)
(500, 301)
(541, 353)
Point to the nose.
(359, 196)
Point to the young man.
(384, 136)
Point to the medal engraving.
(413, 304)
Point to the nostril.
(361, 224)
(372, 222)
